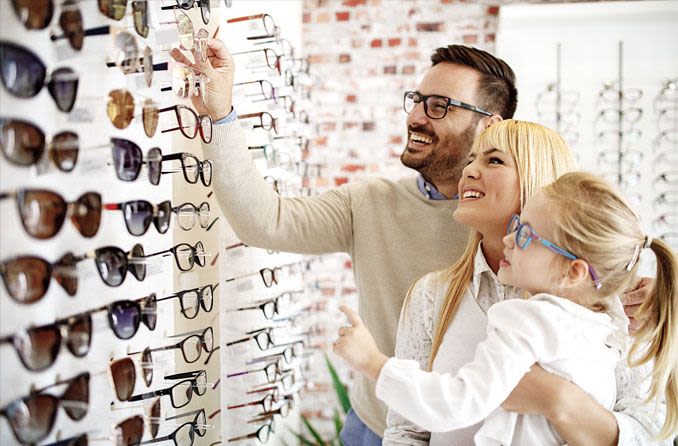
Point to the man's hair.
(497, 91)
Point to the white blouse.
(637, 420)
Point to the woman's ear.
(577, 273)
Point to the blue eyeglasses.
(525, 234)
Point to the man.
(395, 232)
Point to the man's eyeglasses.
(525, 234)
(436, 106)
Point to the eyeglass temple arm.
(187, 414)
(165, 252)
(148, 395)
(239, 341)
(184, 374)
(113, 206)
(98, 31)
(157, 440)
(210, 356)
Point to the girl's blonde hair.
(541, 155)
(592, 221)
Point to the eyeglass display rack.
(106, 418)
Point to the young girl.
(573, 248)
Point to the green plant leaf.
(302, 439)
(313, 432)
(338, 425)
(339, 387)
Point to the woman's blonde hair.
(592, 221)
(541, 155)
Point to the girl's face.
(489, 192)
(532, 267)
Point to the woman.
(443, 318)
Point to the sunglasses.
(24, 143)
(190, 123)
(120, 111)
(113, 263)
(125, 316)
(188, 4)
(27, 278)
(115, 9)
(32, 418)
(38, 347)
(43, 212)
(128, 159)
(128, 57)
(126, 433)
(185, 255)
(37, 14)
(180, 393)
(192, 346)
(139, 214)
(24, 75)
(525, 234)
(192, 299)
(192, 168)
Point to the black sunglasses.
(139, 214)
(125, 316)
(24, 75)
(32, 417)
(192, 299)
(185, 255)
(113, 263)
(38, 347)
(128, 159)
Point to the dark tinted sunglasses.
(43, 212)
(27, 278)
(128, 159)
(23, 75)
(139, 214)
(23, 144)
(125, 316)
(115, 9)
(127, 432)
(38, 347)
(113, 263)
(32, 417)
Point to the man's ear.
(492, 120)
(577, 273)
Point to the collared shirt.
(429, 191)
(232, 116)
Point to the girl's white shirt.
(638, 421)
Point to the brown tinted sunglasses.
(27, 278)
(43, 212)
(24, 143)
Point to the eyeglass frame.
(450, 103)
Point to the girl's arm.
(443, 402)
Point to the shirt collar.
(429, 191)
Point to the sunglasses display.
(38, 347)
(193, 299)
(185, 255)
(43, 212)
(27, 278)
(23, 75)
(125, 316)
(120, 111)
(32, 417)
(190, 123)
(24, 144)
(113, 263)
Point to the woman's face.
(489, 192)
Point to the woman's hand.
(220, 70)
(357, 347)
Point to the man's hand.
(634, 297)
(357, 347)
(220, 70)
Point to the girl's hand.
(357, 347)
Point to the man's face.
(447, 141)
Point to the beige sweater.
(393, 234)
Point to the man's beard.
(447, 158)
